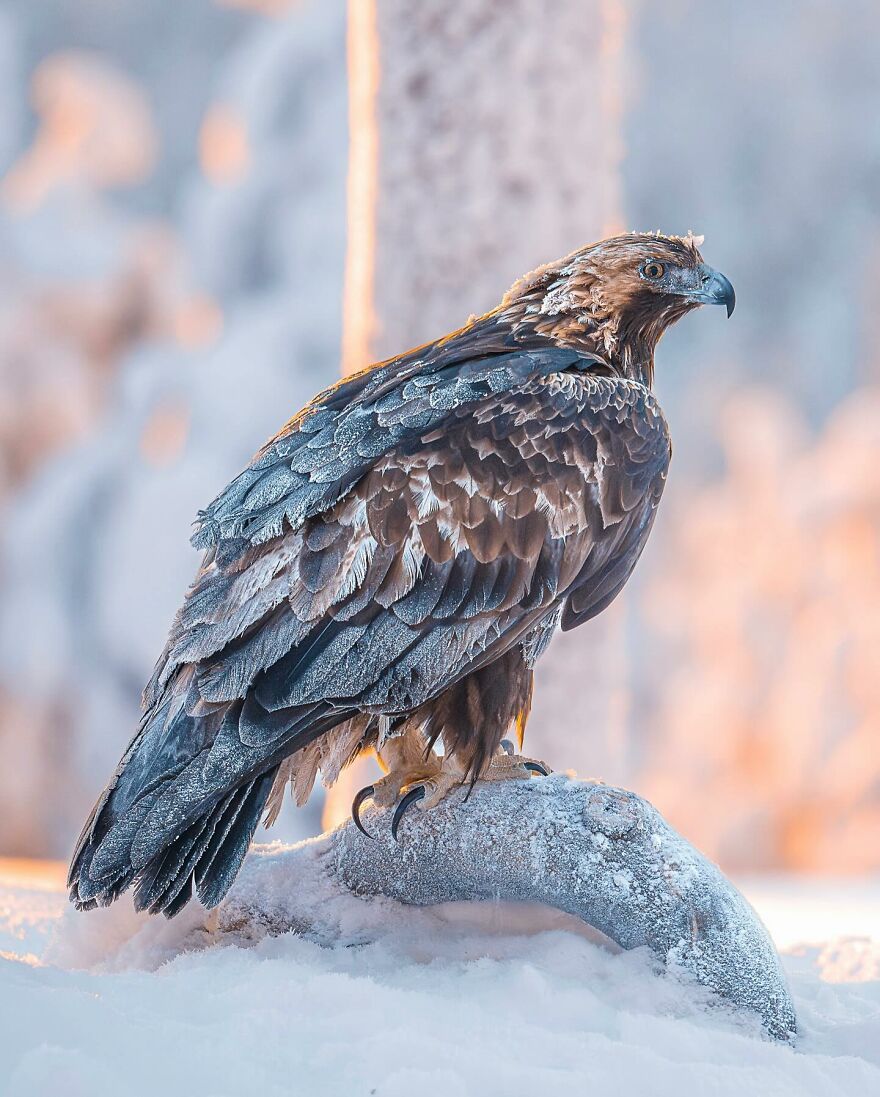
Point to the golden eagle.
(389, 566)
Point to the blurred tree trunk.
(484, 141)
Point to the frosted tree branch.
(596, 852)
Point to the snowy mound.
(482, 999)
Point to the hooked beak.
(715, 289)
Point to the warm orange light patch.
(337, 800)
(197, 322)
(95, 127)
(611, 95)
(359, 317)
(165, 434)
(33, 873)
(767, 607)
(224, 148)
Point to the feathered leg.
(472, 717)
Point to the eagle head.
(652, 277)
(618, 296)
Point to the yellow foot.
(387, 789)
(505, 766)
(439, 787)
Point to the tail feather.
(222, 865)
(176, 904)
(88, 841)
(114, 849)
(217, 839)
(185, 832)
(181, 809)
(204, 858)
(102, 871)
(208, 854)
(170, 873)
(87, 893)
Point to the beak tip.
(717, 290)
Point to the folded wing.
(373, 553)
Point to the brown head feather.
(597, 300)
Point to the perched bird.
(390, 565)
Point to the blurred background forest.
(207, 210)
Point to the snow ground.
(467, 1000)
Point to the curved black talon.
(414, 794)
(536, 767)
(507, 746)
(365, 793)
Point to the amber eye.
(653, 270)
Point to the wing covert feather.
(518, 502)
